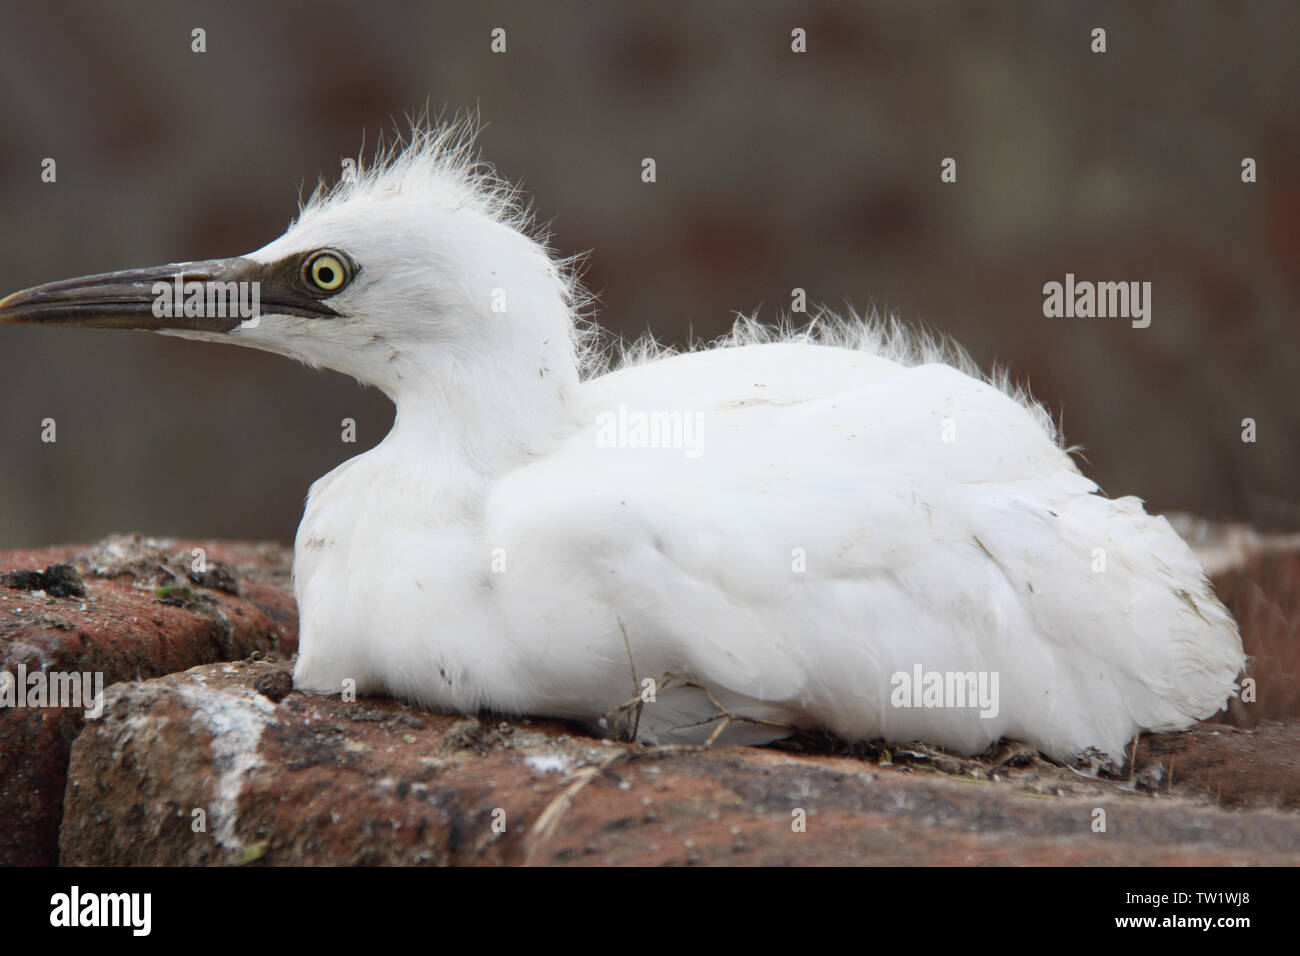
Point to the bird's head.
(419, 268)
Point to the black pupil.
(325, 274)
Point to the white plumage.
(857, 502)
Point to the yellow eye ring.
(326, 271)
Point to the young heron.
(833, 516)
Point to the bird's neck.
(465, 424)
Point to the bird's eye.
(325, 271)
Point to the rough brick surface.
(122, 629)
(316, 780)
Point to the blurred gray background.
(775, 170)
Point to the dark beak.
(216, 295)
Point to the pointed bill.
(216, 295)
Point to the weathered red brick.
(120, 628)
(316, 780)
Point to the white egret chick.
(843, 527)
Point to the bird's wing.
(823, 520)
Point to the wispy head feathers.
(438, 160)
